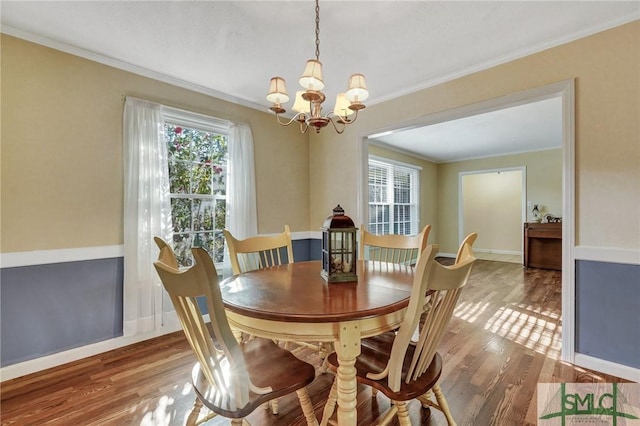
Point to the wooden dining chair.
(231, 379)
(402, 249)
(259, 252)
(403, 370)
(465, 252)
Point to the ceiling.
(530, 127)
(230, 49)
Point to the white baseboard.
(492, 251)
(308, 235)
(38, 364)
(607, 367)
(451, 255)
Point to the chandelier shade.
(277, 91)
(341, 108)
(357, 89)
(300, 105)
(311, 78)
(308, 102)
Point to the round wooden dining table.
(292, 302)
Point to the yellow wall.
(606, 69)
(61, 177)
(439, 191)
(492, 207)
(62, 173)
(544, 186)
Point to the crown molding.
(125, 66)
(517, 54)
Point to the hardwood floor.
(503, 340)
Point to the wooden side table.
(543, 245)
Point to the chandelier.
(308, 102)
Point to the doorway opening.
(565, 91)
(493, 204)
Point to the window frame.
(391, 167)
(191, 120)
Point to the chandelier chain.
(317, 31)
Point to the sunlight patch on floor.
(186, 389)
(470, 311)
(161, 416)
(534, 333)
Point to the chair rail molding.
(46, 257)
(79, 254)
(608, 254)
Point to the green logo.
(589, 403)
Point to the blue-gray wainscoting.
(46, 309)
(304, 250)
(608, 311)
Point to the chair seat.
(285, 374)
(375, 352)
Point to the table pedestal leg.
(347, 349)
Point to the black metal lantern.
(339, 248)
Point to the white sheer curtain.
(147, 208)
(147, 213)
(242, 213)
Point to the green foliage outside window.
(197, 186)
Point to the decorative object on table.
(339, 247)
(549, 218)
(537, 217)
(308, 103)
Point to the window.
(197, 157)
(393, 198)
